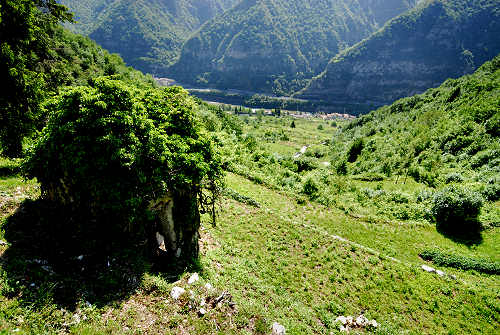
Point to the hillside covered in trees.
(275, 45)
(147, 34)
(416, 51)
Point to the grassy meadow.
(277, 254)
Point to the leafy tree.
(113, 149)
(456, 209)
(26, 28)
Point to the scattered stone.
(80, 257)
(453, 277)
(348, 322)
(208, 286)
(177, 292)
(440, 273)
(202, 302)
(278, 329)
(362, 321)
(193, 279)
(202, 311)
(428, 268)
(342, 319)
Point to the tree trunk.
(179, 221)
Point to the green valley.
(130, 208)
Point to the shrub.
(320, 127)
(355, 150)
(341, 168)
(111, 149)
(455, 209)
(310, 188)
(461, 262)
(491, 191)
(453, 177)
(305, 163)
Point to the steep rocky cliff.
(413, 52)
(275, 45)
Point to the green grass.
(297, 260)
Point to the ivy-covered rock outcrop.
(113, 150)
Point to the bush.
(461, 262)
(111, 149)
(491, 191)
(455, 209)
(453, 177)
(310, 188)
(355, 150)
(304, 163)
(341, 168)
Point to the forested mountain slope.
(147, 34)
(447, 134)
(417, 50)
(274, 45)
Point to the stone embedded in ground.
(278, 329)
(342, 319)
(208, 286)
(361, 321)
(177, 292)
(193, 279)
(428, 268)
(202, 311)
(440, 273)
(373, 323)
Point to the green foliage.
(276, 45)
(156, 29)
(240, 197)
(37, 58)
(113, 148)
(292, 125)
(461, 262)
(355, 150)
(341, 168)
(310, 188)
(26, 29)
(455, 209)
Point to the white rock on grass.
(361, 321)
(193, 279)
(202, 311)
(373, 323)
(177, 292)
(278, 329)
(342, 319)
(428, 268)
(208, 286)
(440, 273)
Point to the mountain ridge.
(413, 52)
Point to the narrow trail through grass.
(286, 265)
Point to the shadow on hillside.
(50, 260)
(468, 238)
